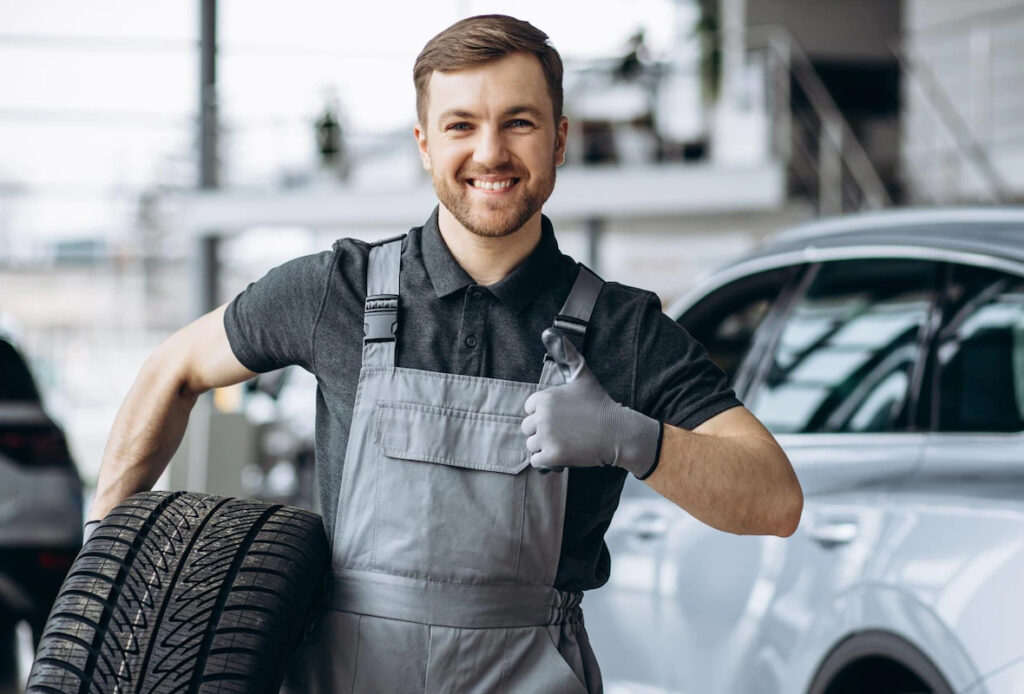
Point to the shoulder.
(621, 314)
(618, 302)
(353, 248)
(351, 253)
(349, 260)
(618, 293)
(620, 308)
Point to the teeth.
(489, 185)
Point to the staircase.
(963, 109)
(825, 162)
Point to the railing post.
(595, 232)
(980, 61)
(734, 49)
(830, 166)
(782, 104)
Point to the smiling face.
(491, 144)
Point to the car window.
(726, 320)
(847, 349)
(15, 381)
(979, 352)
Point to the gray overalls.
(447, 541)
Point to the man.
(470, 458)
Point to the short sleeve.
(676, 381)
(270, 324)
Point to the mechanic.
(469, 458)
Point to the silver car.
(886, 354)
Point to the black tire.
(184, 592)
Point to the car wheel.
(185, 592)
(879, 662)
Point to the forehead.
(490, 88)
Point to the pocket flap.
(473, 440)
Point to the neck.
(488, 259)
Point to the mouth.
(492, 186)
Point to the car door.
(632, 620)
(961, 549)
(838, 390)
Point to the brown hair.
(483, 39)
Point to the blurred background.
(156, 157)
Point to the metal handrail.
(835, 129)
(853, 154)
(967, 145)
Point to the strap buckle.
(380, 318)
(573, 328)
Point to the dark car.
(40, 510)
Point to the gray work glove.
(87, 530)
(578, 425)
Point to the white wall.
(973, 51)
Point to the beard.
(495, 218)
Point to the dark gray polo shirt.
(309, 311)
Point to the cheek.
(541, 153)
(448, 159)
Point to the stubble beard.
(514, 212)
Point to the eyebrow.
(511, 111)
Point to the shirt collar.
(516, 290)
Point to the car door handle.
(648, 525)
(831, 533)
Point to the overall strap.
(573, 319)
(380, 313)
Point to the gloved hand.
(87, 530)
(578, 424)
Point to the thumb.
(565, 355)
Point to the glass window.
(979, 353)
(725, 321)
(15, 380)
(846, 353)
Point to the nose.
(490, 150)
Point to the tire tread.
(185, 593)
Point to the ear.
(421, 143)
(561, 139)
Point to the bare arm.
(730, 473)
(152, 418)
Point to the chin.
(492, 229)
(491, 219)
(492, 223)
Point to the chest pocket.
(449, 493)
(472, 440)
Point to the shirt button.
(476, 294)
(471, 341)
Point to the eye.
(520, 123)
(458, 126)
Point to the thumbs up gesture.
(577, 424)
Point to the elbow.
(189, 392)
(790, 510)
(166, 369)
(783, 512)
